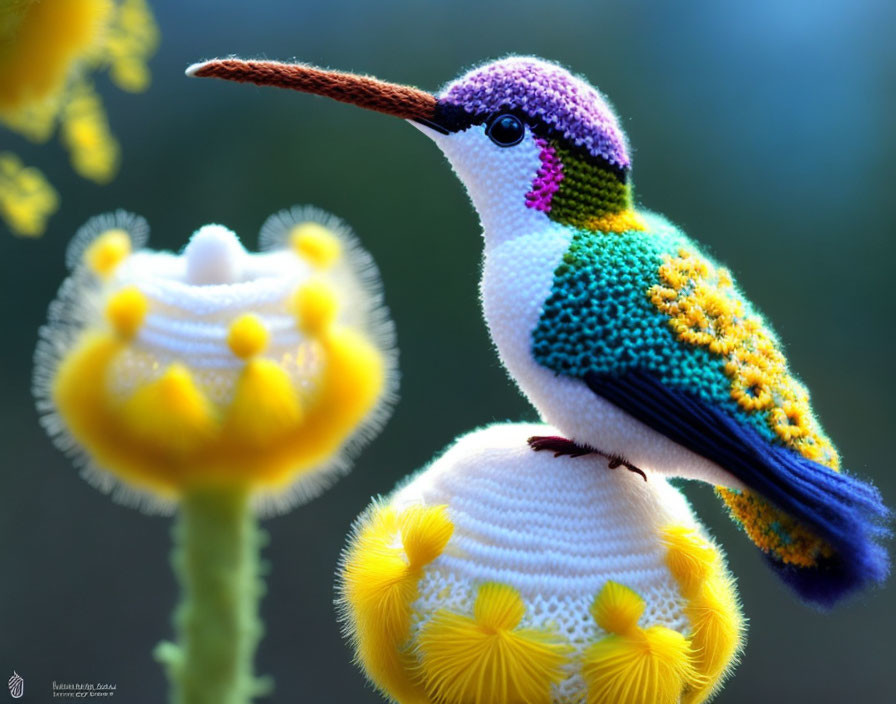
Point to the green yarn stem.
(216, 559)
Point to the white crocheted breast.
(554, 528)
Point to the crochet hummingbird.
(622, 332)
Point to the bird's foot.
(615, 461)
(563, 447)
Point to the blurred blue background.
(764, 128)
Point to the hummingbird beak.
(364, 91)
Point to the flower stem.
(216, 559)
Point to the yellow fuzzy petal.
(711, 606)
(617, 608)
(264, 406)
(716, 637)
(170, 412)
(424, 533)
(486, 659)
(690, 559)
(498, 607)
(378, 584)
(647, 667)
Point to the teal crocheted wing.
(651, 324)
(650, 300)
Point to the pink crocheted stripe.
(546, 183)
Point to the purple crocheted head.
(545, 92)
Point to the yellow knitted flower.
(48, 50)
(169, 374)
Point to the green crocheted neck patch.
(588, 191)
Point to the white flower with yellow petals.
(499, 575)
(167, 373)
(221, 382)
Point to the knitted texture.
(363, 91)
(543, 91)
(216, 558)
(630, 340)
(648, 301)
(602, 317)
(164, 372)
(548, 179)
(575, 189)
(555, 531)
(588, 192)
(623, 335)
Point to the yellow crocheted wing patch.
(706, 310)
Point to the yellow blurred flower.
(85, 131)
(48, 51)
(26, 197)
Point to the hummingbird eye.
(506, 130)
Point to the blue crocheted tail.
(847, 513)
